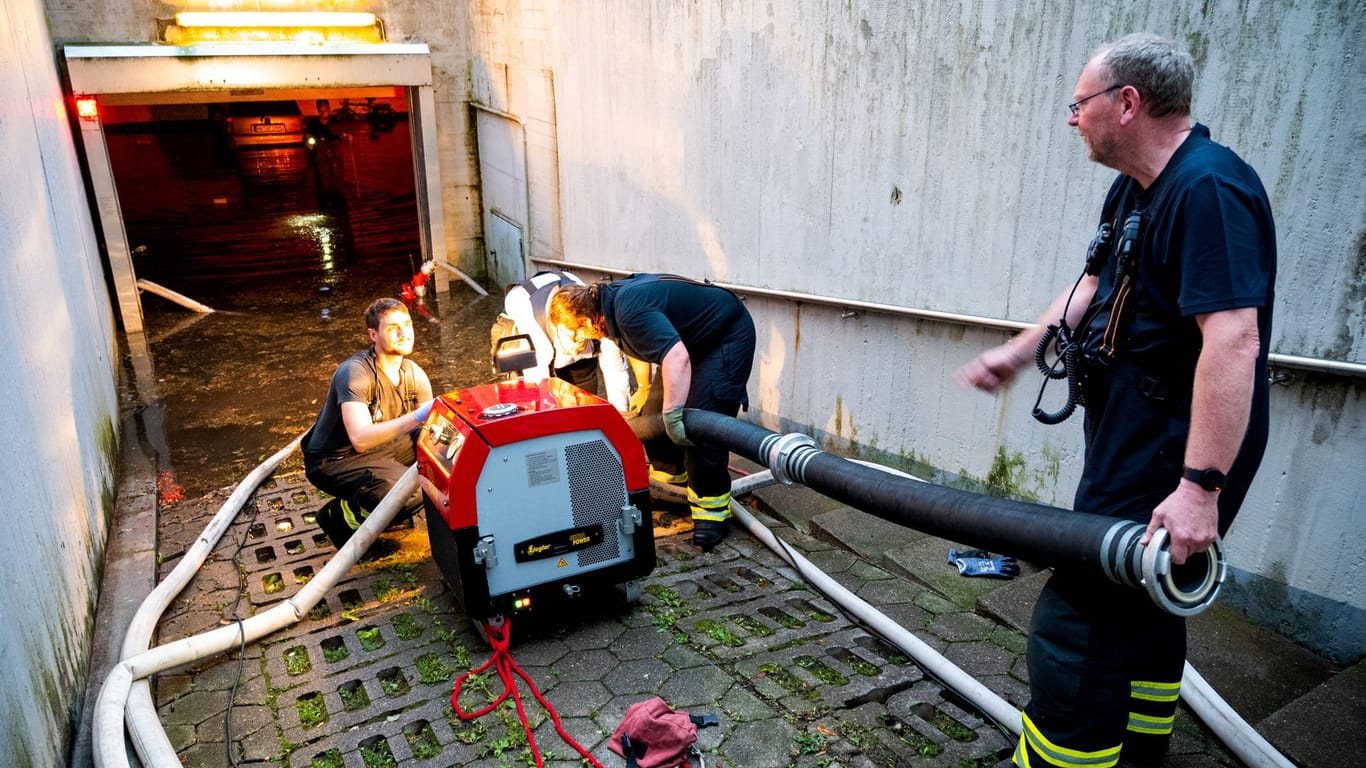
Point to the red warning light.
(87, 108)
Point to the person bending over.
(702, 338)
(526, 304)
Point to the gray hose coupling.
(787, 456)
(1183, 590)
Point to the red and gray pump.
(535, 494)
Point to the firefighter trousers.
(1105, 668)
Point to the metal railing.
(1297, 362)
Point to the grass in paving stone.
(952, 728)
(664, 595)
(751, 625)
(377, 755)
(465, 731)
(782, 618)
(422, 740)
(810, 743)
(334, 650)
(296, 661)
(272, 583)
(393, 682)
(370, 638)
(407, 627)
(332, 758)
(788, 681)
(353, 696)
(312, 710)
(718, 632)
(398, 577)
(431, 668)
(320, 611)
(513, 738)
(821, 672)
(922, 745)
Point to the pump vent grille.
(597, 492)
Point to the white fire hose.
(126, 694)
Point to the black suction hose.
(1036, 532)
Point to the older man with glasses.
(1168, 327)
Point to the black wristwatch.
(1210, 478)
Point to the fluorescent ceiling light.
(273, 19)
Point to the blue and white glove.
(423, 411)
(978, 562)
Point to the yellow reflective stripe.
(1140, 723)
(1064, 757)
(667, 479)
(705, 514)
(709, 502)
(1021, 757)
(1151, 691)
(349, 516)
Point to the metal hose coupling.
(1182, 590)
(787, 456)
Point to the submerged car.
(268, 139)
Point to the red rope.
(498, 636)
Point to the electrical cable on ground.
(229, 616)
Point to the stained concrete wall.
(918, 155)
(58, 452)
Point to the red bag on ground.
(653, 735)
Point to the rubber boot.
(706, 534)
(332, 519)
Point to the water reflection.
(236, 385)
(290, 269)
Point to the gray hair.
(1163, 72)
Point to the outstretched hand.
(992, 369)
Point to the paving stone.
(935, 604)
(195, 707)
(642, 642)
(761, 744)
(1337, 710)
(795, 505)
(961, 626)
(1013, 603)
(983, 658)
(697, 688)
(601, 634)
(585, 665)
(881, 709)
(885, 592)
(637, 676)
(581, 698)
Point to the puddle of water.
(290, 272)
(239, 384)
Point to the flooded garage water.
(289, 270)
(237, 385)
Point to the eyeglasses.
(1075, 107)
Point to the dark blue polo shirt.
(1207, 244)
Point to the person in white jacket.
(525, 304)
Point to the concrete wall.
(918, 155)
(57, 458)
